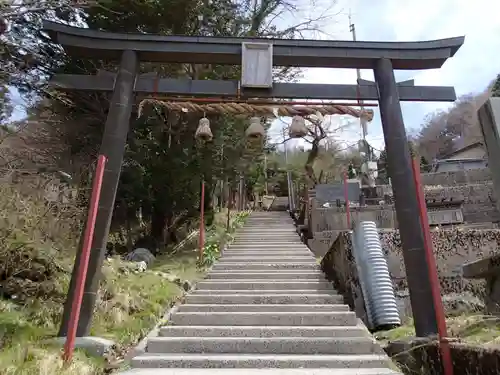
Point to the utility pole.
(265, 173)
(288, 175)
(241, 189)
(352, 28)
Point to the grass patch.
(129, 305)
(474, 329)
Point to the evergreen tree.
(351, 172)
(495, 91)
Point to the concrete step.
(276, 221)
(291, 233)
(280, 229)
(318, 275)
(299, 250)
(285, 298)
(259, 361)
(266, 266)
(260, 371)
(330, 291)
(265, 249)
(267, 245)
(262, 285)
(265, 318)
(267, 259)
(266, 233)
(263, 243)
(259, 331)
(264, 345)
(278, 246)
(272, 253)
(261, 308)
(264, 239)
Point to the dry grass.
(475, 329)
(37, 246)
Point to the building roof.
(465, 148)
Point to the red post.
(202, 220)
(69, 346)
(433, 274)
(346, 197)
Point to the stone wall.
(339, 266)
(334, 219)
(452, 248)
(479, 206)
(470, 176)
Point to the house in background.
(472, 156)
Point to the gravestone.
(329, 193)
(487, 269)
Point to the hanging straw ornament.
(204, 133)
(255, 130)
(298, 127)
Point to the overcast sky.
(470, 70)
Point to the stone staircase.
(264, 308)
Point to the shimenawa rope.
(257, 109)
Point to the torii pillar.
(405, 197)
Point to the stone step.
(285, 298)
(267, 232)
(264, 345)
(262, 285)
(318, 275)
(268, 245)
(260, 371)
(262, 249)
(268, 259)
(330, 291)
(270, 228)
(276, 229)
(259, 361)
(271, 253)
(265, 249)
(300, 249)
(259, 331)
(261, 308)
(266, 266)
(259, 238)
(284, 231)
(268, 235)
(274, 221)
(268, 242)
(265, 318)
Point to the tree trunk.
(311, 158)
(158, 223)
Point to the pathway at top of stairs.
(264, 308)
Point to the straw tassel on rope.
(203, 132)
(255, 130)
(298, 128)
(257, 109)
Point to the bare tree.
(442, 129)
(13, 10)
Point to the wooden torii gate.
(383, 57)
